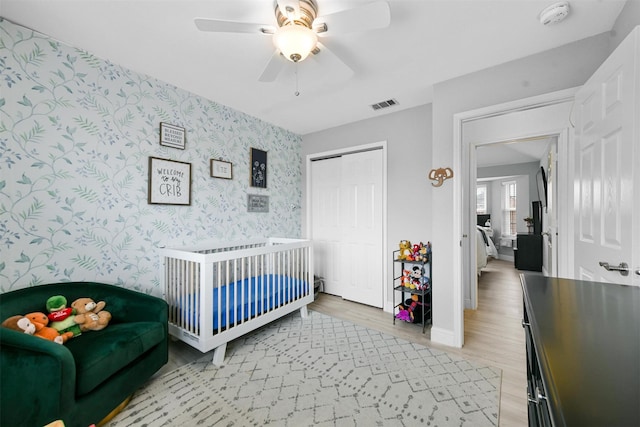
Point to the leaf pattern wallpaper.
(76, 133)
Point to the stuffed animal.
(41, 322)
(424, 250)
(417, 256)
(61, 316)
(413, 307)
(406, 278)
(91, 316)
(20, 324)
(403, 315)
(405, 250)
(35, 324)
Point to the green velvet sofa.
(83, 380)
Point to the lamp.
(295, 41)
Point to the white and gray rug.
(320, 371)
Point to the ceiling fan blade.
(220, 26)
(273, 67)
(329, 60)
(368, 17)
(289, 8)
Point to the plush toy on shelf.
(416, 276)
(411, 310)
(406, 279)
(405, 250)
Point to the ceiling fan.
(297, 27)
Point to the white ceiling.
(428, 41)
(513, 152)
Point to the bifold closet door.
(346, 225)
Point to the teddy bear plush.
(90, 314)
(405, 250)
(61, 316)
(36, 324)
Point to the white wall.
(408, 135)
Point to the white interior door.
(606, 154)
(326, 222)
(346, 225)
(362, 256)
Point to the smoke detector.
(554, 13)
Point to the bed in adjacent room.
(485, 246)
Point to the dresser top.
(587, 337)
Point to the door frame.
(380, 145)
(461, 162)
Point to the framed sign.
(172, 136)
(258, 168)
(257, 203)
(221, 169)
(169, 182)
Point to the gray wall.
(628, 19)
(408, 135)
(565, 67)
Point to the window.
(481, 199)
(509, 226)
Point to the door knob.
(623, 268)
(638, 272)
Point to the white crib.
(219, 292)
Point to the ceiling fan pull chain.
(297, 92)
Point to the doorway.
(346, 196)
(507, 122)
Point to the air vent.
(384, 104)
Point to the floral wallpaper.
(76, 133)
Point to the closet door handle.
(623, 268)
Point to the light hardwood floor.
(493, 334)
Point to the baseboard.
(444, 336)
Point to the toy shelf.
(424, 280)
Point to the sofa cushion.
(100, 354)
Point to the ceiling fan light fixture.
(295, 41)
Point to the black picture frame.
(220, 169)
(173, 136)
(258, 168)
(169, 182)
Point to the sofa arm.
(38, 378)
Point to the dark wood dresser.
(583, 352)
(528, 255)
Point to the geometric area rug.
(320, 371)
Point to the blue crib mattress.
(259, 294)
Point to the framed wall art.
(221, 169)
(257, 203)
(172, 136)
(169, 182)
(258, 168)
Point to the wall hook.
(440, 175)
